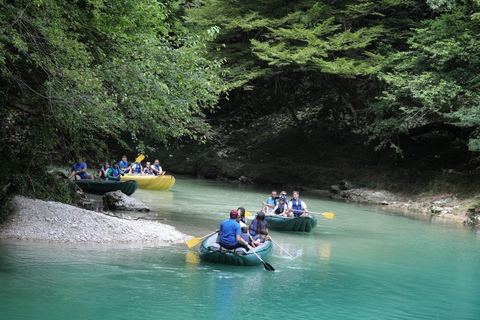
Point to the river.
(362, 264)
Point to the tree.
(321, 51)
(77, 74)
(434, 84)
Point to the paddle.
(140, 158)
(248, 214)
(328, 215)
(282, 248)
(266, 265)
(194, 241)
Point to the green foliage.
(77, 75)
(260, 38)
(435, 81)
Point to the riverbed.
(362, 264)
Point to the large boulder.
(117, 200)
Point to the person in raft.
(296, 207)
(123, 165)
(258, 224)
(102, 170)
(147, 169)
(245, 235)
(230, 233)
(260, 239)
(80, 169)
(271, 202)
(281, 208)
(136, 168)
(241, 217)
(114, 172)
(156, 168)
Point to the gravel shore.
(38, 220)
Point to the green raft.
(210, 251)
(304, 224)
(104, 186)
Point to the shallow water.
(363, 264)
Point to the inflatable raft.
(211, 251)
(146, 181)
(102, 187)
(305, 224)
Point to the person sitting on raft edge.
(80, 169)
(271, 202)
(296, 207)
(230, 233)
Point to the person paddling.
(230, 233)
(114, 172)
(296, 207)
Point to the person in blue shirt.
(230, 233)
(123, 165)
(80, 169)
(271, 202)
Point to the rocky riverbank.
(37, 220)
(446, 206)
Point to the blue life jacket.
(137, 168)
(123, 165)
(280, 208)
(157, 168)
(116, 172)
(297, 207)
(255, 226)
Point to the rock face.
(345, 190)
(117, 200)
(473, 217)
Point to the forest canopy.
(77, 75)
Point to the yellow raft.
(146, 181)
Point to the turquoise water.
(363, 264)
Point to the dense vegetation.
(95, 76)
(79, 76)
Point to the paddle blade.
(328, 215)
(248, 214)
(140, 158)
(268, 266)
(193, 242)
